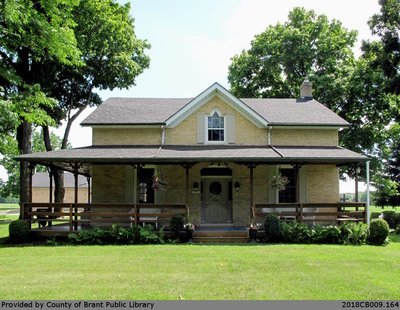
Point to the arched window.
(216, 127)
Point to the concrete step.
(220, 233)
(221, 239)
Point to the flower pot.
(189, 235)
(253, 234)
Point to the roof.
(263, 112)
(41, 179)
(193, 153)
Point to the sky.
(193, 41)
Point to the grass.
(380, 209)
(200, 271)
(8, 206)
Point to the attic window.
(216, 127)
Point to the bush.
(354, 233)
(176, 226)
(273, 228)
(390, 218)
(397, 219)
(398, 230)
(118, 235)
(19, 231)
(378, 232)
(375, 215)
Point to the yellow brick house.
(217, 154)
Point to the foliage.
(378, 232)
(390, 217)
(354, 233)
(9, 149)
(19, 231)
(189, 226)
(348, 233)
(272, 227)
(398, 229)
(118, 235)
(176, 226)
(279, 182)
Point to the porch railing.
(78, 214)
(313, 212)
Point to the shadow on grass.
(394, 238)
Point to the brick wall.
(127, 136)
(306, 137)
(322, 183)
(108, 184)
(41, 194)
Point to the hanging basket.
(160, 182)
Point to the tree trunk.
(58, 175)
(24, 132)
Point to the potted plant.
(253, 229)
(160, 182)
(189, 229)
(279, 182)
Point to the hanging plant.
(160, 182)
(279, 182)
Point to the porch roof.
(175, 154)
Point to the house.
(217, 155)
(41, 187)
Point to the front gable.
(216, 90)
(238, 129)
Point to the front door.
(216, 208)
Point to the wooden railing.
(75, 214)
(312, 212)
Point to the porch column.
(251, 167)
(368, 199)
(356, 170)
(51, 186)
(187, 167)
(76, 198)
(88, 192)
(31, 170)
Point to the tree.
(9, 149)
(386, 59)
(311, 45)
(32, 32)
(113, 57)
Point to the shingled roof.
(156, 111)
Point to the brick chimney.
(306, 89)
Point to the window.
(216, 125)
(289, 194)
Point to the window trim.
(218, 111)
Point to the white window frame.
(206, 127)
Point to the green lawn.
(380, 209)
(201, 272)
(8, 206)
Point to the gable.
(216, 90)
(186, 132)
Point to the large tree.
(113, 57)
(31, 33)
(311, 45)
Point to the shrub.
(397, 219)
(330, 235)
(398, 229)
(378, 232)
(354, 233)
(176, 226)
(19, 231)
(375, 215)
(273, 228)
(390, 218)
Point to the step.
(221, 239)
(220, 233)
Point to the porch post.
(51, 186)
(356, 183)
(187, 167)
(88, 192)
(368, 198)
(251, 167)
(76, 197)
(31, 170)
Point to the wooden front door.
(216, 208)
